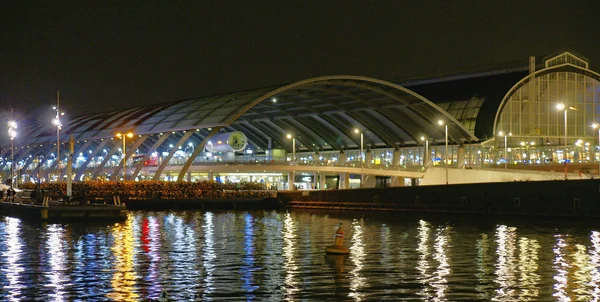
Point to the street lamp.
(597, 126)
(362, 167)
(442, 123)
(426, 155)
(122, 136)
(289, 136)
(501, 133)
(56, 121)
(561, 106)
(12, 133)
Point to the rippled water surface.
(203, 256)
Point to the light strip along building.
(309, 134)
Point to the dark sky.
(107, 55)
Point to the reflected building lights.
(528, 265)
(357, 256)
(209, 254)
(506, 264)
(274, 249)
(55, 245)
(595, 263)
(151, 238)
(561, 266)
(124, 276)
(423, 262)
(484, 272)
(582, 273)
(12, 255)
(384, 251)
(439, 281)
(249, 261)
(291, 268)
(183, 254)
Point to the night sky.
(108, 55)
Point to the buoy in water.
(338, 243)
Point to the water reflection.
(124, 276)
(275, 256)
(595, 264)
(209, 256)
(290, 266)
(248, 260)
(150, 258)
(439, 281)
(56, 250)
(423, 262)
(11, 255)
(357, 256)
(561, 266)
(485, 271)
(275, 247)
(506, 264)
(529, 278)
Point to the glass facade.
(548, 116)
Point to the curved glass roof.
(320, 112)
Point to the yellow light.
(560, 106)
(440, 122)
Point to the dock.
(59, 211)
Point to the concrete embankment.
(571, 198)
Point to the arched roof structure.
(528, 110)
(320, 112)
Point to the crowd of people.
(90, 190)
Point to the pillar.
(396, 157)
(342, 157)
(460, 157)
(291, 178)
(368, 157)
(314, 181)
(322, 179)
(269, 149)
(211, 176)
(189, 176)
(344, 180)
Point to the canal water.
(279, 256)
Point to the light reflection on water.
(279, 256)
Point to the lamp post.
(597, 126)
(442, 123)
(12, 133)
(293, 138)
(362, 167)
(58, 124)
(122, 136)
(426, 155)
(501, 133)
(561, 106)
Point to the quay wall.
(546, 198)
(437, 175)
